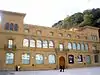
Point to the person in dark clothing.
(16, 67)
(60, 68)
(63, 67)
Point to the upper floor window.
(39, 32)
(94, 37)
(39, 44)
(61, 47)
(52, 59)
(25, 42)
(86, 46)
(74, 46)
(51, 44)
(39, 59)
(51, 33)
(11, 26)
(32, 43)
(26, 30)
(94, 47)
(25, 58)
(78, 46)
(10, 43)
(9, 58)
(69, 35)
(82, 46)
(77, 36)
(7, 26)
(45, 44)
(69, 45)
(60, 34)
(16, 27)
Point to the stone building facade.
(38, 48)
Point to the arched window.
(39, 59)
(9, 58)
(69, 35)
(25, 42)
(61, 47)
(52, 59)
(16, 27)
(32, 43)
(25, 58)
(45, 44)
(94, 47)
(51, 44)
(11, 26)
(71, 59)
(86, 46)
(78, 46)
(39, 44)
(82, 46)
(39, 32)
(69, 45)
(74, 46)
(7, 26)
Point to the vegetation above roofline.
(90, 17)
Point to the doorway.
(61, 61)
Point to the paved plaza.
(74, 71)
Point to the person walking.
(63, 67)
(60, 68)
(16, 67)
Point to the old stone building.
(37, 47)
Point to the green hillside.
(90, 17)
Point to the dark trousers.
(62, 68)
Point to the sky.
(47, 12)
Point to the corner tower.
(11, 21)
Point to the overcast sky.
(47, 12)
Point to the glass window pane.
(7, 26)
(88, 59)
(39, 59)
(82, 46)
(26, 58)
(39, 44)
(86, 46)
(45, 44)
(9, 58)
(16, 27)
(52, 59)
(10, 43)
(74, 46)
(25, 42)
(11, 26)
(69, 46)
(32, 43)
(51, 44)
(61, 47)
(78, 46)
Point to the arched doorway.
(61, 61)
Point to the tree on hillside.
(89, 17)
